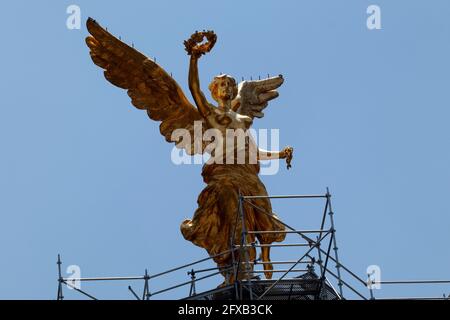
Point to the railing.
(146, 294)
(319, 250)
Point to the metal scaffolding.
(316, 249)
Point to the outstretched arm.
(286, 153)
(194, 87)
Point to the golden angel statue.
(214, 226)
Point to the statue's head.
(223, 88)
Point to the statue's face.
(223, 88)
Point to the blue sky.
(84, 174)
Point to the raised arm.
(194, 87)
(196, 48)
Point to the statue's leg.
(268, 267)
(231, 230)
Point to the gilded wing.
(149, 86)
(254, 96)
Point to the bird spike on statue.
(214, 225)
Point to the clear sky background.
(84, 174)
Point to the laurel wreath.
(194, 45)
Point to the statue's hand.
(288, 154)
(195, 45)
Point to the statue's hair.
(213, 85)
